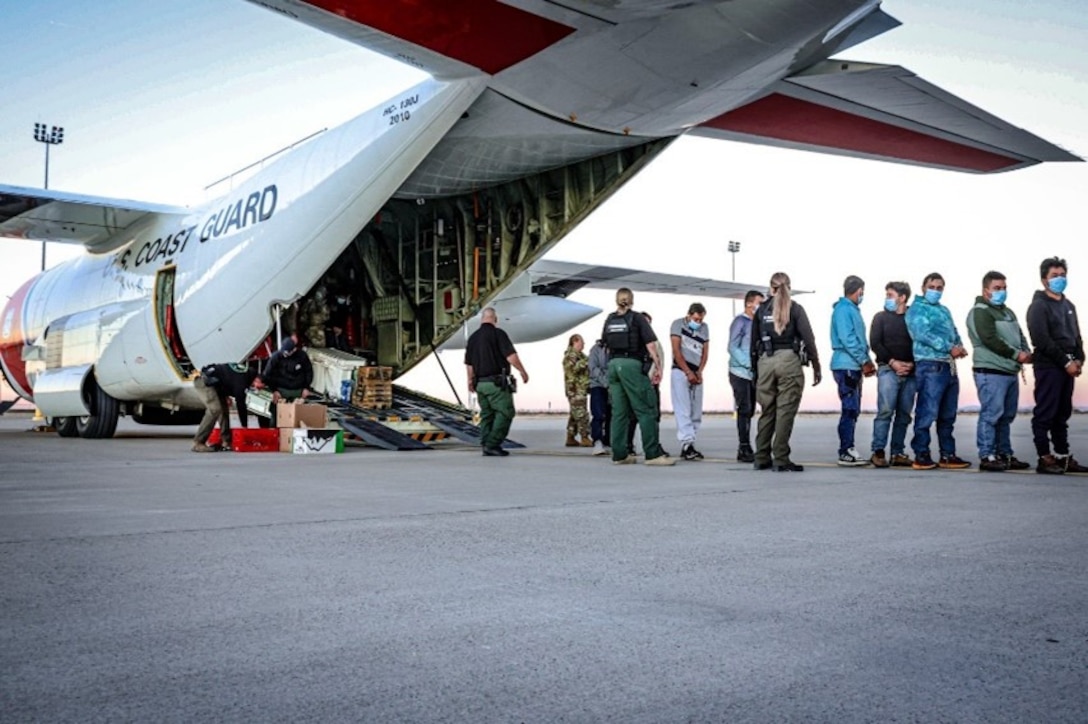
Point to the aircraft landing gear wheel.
(65, 426)
(103, 422)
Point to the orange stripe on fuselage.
(12, 341)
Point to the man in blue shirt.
(849, 364)
(936, 345)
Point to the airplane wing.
(882, 112)
(71, 218)
(562, 278)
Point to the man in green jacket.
(1000, 350)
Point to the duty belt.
(491, 378)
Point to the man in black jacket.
(896, 385)
(216, 383)
(288, 372)
(1058, 360)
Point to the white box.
(317, 441)
(332, 368)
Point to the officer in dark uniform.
(781, 335)
(215, 384)
(630, 340)
(489, 355)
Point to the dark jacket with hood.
(1054, 331)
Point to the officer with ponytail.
(782, 343)
(630, 340)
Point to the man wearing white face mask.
(1059, 360)
(690, 338)
(1000, 350)
(936, 344)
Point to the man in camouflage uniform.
(576, 378)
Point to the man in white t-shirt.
(690, 339)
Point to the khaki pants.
(214, 411)
(779, 385)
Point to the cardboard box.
(300, 414)
(311, 441)
(287, 439)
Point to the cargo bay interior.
(422, 266)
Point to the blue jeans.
(849, 383)
(938, 397)
(601, 410)
(894, 398)
(998, 397)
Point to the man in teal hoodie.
(849, 364)
(1000, 349)
(936, 345)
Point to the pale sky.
(159, 99)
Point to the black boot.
(745, 454)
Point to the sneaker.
(662, 459)
(1072, 466)
(852, 458)
(951, 462)
(1011, 463)
(745, 454)
(1050, 465)
(899, 460)
(629, 460)
(992, 464)
(923, 462)
(201, 447)
(878, 459)
(599, 448)
(690, 453)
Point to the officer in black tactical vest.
(782, 342)
(630, 341)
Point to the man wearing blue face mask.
(936, 344)
(690, 345)
(1000, 350)
(849, 364)
(896, 385)
(1059, 360)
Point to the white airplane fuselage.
(264, 243)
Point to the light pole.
(50, 136)
(734, 247)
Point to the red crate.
(246, 439)
(249, 439)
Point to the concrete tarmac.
(142, 582)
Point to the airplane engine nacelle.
(532, 318)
